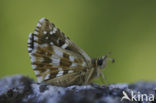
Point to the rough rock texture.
(21, 89)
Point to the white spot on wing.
(34, 50)
(54, 30)
(47, 77)
(60, 73)
(38, 25)
(29, 41)
(55, 60)
(35, 38)
(71, 58)
(70, 71)
(35, 32)
(35, 44)
(64, 46)
(39, 79)
(44, 32)
(33, 59)
(42, 20)
(30, 35)
(29, 49)
(51, 32)
(51, 43)
(37, 72)
(34, 66)
(58, 52)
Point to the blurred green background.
(126, 28)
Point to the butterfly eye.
(99, 62)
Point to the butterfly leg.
(89, 76)
(102, 78)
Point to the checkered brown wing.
(54, 57)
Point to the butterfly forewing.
(53, 55)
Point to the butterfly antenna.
(109, 58)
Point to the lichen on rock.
(21, 89)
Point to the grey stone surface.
(21, 89)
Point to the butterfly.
(56, 60)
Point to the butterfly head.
(101, 62)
